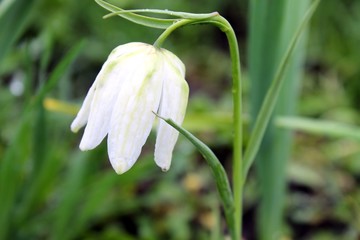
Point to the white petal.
(133, 47)
(133, 116)
(108, 83)
(83, 114)
(173, 60)
(173, 105)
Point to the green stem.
(169, 30)
(220, 22)
(237, 164)
(237, 145)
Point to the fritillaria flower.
(136, 81)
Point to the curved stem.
(225, 26)
(237, 145)
(234, 221)
(169, 30)
(237, 164)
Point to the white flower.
(137, 80)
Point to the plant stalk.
(237, 123)
(237, 174)
(237, 164)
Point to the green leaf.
(272, 26)
(272, 95)
(152, 21)
(179, 15)
(4, 6)
(217, 169)
(136, 18)
(12, 164)
(319, 127)
(13, 18)
(58, 72)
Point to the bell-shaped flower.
(136, 81)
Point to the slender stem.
(235, 221)
(169, 30)
(237, 165)
(237, 118)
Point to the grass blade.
(271, 97)
(272, 28)
(319, 127)
(12, 165)
(13, 18)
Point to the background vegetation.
(50, 53)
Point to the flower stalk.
(169, 30)
(234, 221)
(238, 131)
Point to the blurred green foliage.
(272, 27)
(51, 190)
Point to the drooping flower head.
(136, 80)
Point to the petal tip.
(74, 128)
(83, 147)
(163, 162)
(119, 165)
(86, 145)
(77, 124)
